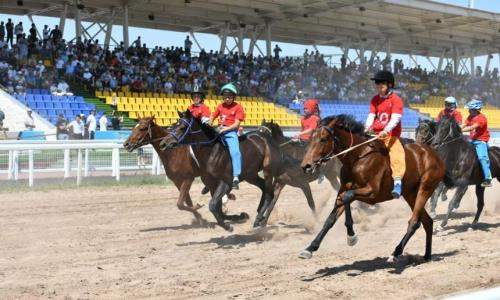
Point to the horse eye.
(143, 129)
(322, 140)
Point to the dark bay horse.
(366, 176)
(424, 134)
(293, 174)
(258, 151)
(462, 165)
(178, 163)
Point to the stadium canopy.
(409, 27)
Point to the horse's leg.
(215, 205)
(413, 225)
(444, 197)
(460, 192)
(347, 197)
(330, 221)
(480, 203)
(451, 205)
(268, 199)
(434, 199)
(183, 196)
(278, 187)
(427, 223)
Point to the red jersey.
(454, 113)
(481, 133)
(383, 108)
(228, 114)
(199, 111)
(309, 122)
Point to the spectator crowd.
(51, 62)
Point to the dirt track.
(134, 243)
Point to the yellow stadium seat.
(132, 114)
(121, 94)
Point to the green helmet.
(229, 87)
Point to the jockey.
(477, 124)
(310, 121)
(199, 109)
(384, 119)
(450, 110)
(230, 114)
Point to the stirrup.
(486, 183)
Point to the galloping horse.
(424, 134)
(293, 174)
(366, 176)
(462, 165)
(258, 152)
(179, 166)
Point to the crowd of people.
(47, 63)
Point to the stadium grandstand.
(58, 75)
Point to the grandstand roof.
(419, 27)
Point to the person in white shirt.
(92, 124)
(76, 128)
(103, 122)
(29, 122)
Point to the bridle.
(336, 143)
(265, 129)
(444, 142)
(428, 127)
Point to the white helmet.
(451, 100)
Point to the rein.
(265, 129)
(181, 138)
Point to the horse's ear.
(153, 117)
(179, 113)
(272, 121)
(263, 120)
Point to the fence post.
(67, 163)
(154, 162)
(15, 163)
(79, 168)
(11, 165)
(117, 163)
(113, 162)
(30, 167)
(86, 164)
(158, 165)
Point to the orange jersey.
(481, 133)
(309, 122)
(199, 111)
(383, 108)
(228, 114)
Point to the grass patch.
(48, 184)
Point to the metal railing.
(64, 158)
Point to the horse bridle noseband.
(335, 140)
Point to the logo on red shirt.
(383, 108)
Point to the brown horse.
(366, 176)
(179, 166)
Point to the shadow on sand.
(454, 229)
(380, 263)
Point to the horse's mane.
(450, 122)
(207, 129)
(275, 127)
(346, 122)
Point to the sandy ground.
(134, 243)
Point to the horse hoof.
(352, 240)
(439, 228)
(393, 259)
(472, 228)
(228, 227)
(432, 215)
(244, 216)
(428, 257)
(231, 196)
(198, 206)
(305, 254)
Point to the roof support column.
(488, 60)
(268, 39)
(362, 54)
(223, 37)
(472, 65)
(252, 41)
(191, 33)
(62, 19)
(78, 23)
(430, 61)
(109, 29)
(441, 59)
(388, 51)
(240, 41)
(125, 26)
(455, 60)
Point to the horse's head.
(447, 130)
(270, 127)
(188, 130)
(141, 134)
(333, 135)
(425, 131)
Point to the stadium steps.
(89, 97)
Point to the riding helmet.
(198, 90)
(384, 76)
(474, 104)
(230, 88)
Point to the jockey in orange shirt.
(450, 110)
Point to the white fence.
(83, 157)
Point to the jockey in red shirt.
(450, 110)
(384, 119)
(230, 115)
(477, 124)
(310, 121)
(199, 109)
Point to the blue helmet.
(474, 104)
